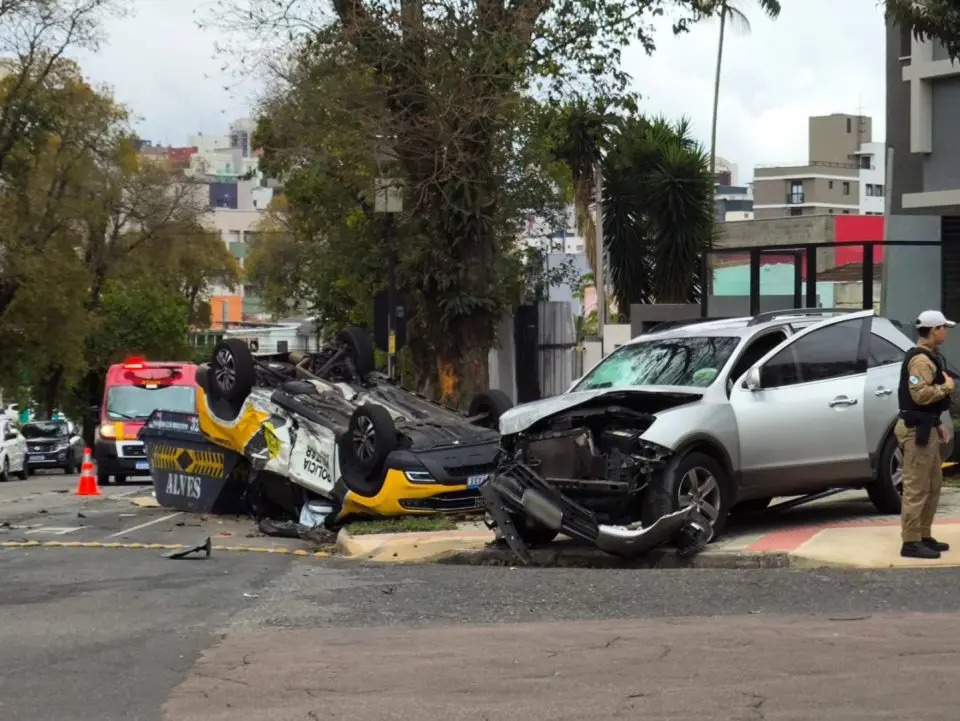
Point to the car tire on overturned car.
(491, 404)
(232, 370)
(371, 436)
(357, 342)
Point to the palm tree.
(728, 11)
(658, 215)
(584, 128)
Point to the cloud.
(820, 56)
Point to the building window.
(846, 188)
(849, 125)
(868, 190)
(878, 191)
(846, 212)
(830, 211)
(830, 185)
(866, 162)
(796, 211)
(796, 192)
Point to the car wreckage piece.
(300, 427)
(586, 472)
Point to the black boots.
(919, 549)
(928, 548)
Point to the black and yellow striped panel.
(164, 458)
(205, 463)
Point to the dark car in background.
(53, 444)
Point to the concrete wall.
(907, 170)
(777, 231)
(941, 168)
(911, 276)
(834, 138)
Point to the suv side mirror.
(752, 380)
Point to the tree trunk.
(51, 390)
(716, 94)
(463, 366)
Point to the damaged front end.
(588, 473)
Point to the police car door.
(313, 460)
(802, 427)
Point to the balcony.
(795, 198)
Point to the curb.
(568, 556)
(591, 558)
(162, 547)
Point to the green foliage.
(143, 318)
(658, 212)
(937, 20)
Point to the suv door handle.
(881, 391)
(842, 401)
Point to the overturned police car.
(293, 428)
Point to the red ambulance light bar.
(134, 364)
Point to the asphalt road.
(125, 635)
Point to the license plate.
(37, 457)
(477, 480)
(143, 466)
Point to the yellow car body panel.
(233, 435)
(387, 503)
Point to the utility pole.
(599, 276)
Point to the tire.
(371, 436)
(358, 342)
(885, 492)
(494, 403)
(5, 475)
(664, 497)
(532, 533)
(24, 472)
(232, 371)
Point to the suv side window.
(882, 352)
(827, 353)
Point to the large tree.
(438, 94)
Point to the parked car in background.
(719, 416)
(53, 444)
(13, 452)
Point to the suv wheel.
(693, 478)
(885, 492)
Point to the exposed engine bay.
(588, 472)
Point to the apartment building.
(843, 174)
(923, 104)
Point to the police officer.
(924, 394)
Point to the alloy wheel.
(896, 470)
(700, 488)
(226, 370)
(364, 439)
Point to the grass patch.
(411, 524)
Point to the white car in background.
(13, 452)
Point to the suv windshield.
(48, 429)
(693, 361)
(136, 403)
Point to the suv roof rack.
(794, 312)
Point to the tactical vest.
(907, 404)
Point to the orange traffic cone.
(88, 476)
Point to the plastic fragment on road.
(206, 547)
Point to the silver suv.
(707, 417)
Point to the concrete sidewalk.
(839, 532)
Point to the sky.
(819, 57)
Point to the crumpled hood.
(520, 418)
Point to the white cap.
(933, 319)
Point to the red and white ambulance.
(133, 390)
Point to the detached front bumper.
(517, 490)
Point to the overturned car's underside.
(586, 472)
